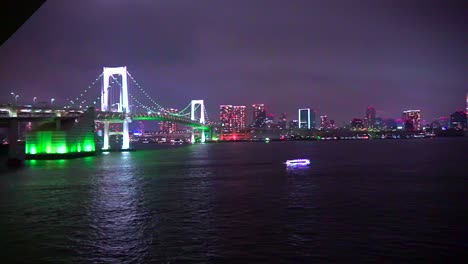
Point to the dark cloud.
(336, 56)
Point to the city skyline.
(231, 53)
(368, 119)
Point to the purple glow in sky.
(334, 56)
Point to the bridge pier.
(126, 136)
(16, 153)
(106, 136)
(192, 136)
(203, 136)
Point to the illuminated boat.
(297, 162)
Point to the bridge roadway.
(29, 113)
(119, 117)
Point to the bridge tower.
(122, 105)
(201, 105)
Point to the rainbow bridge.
(71, 130)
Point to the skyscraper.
(238, 117)
(357, 123)
(312, 118)
(379, 123)
(304, 118)
(412, 119)
(225, 117)
(390, 123)
(458, 120)
(259, 115)
(269, 121)
(232, 118)
(282, 122)
(466, 112)
(169, 126)
(326, 124)
(370, 117)
(323, 122)
(294, 124)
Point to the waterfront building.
(269, 122)
(238, 117)
(282, 121)
(390, 124)
(232, 118)
(458, 120)
(304, 118)
(379, 123)
(412, 119)
(259, 115)
(169, 126)
(294, 124)
(323, 122)
(370, 117)
(225, 117)
(312, 118)
(444, 122)
(357, 123)
(326, 124)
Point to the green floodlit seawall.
(57, 142)
(79, 138)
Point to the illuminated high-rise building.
(458, 120)
(390, 124)
(238, 117)
(282, 121)
(304, 118)
(259, 115)
(225, 117)
(232, 118)
(294, 124)
(370, 117)
(323, 122)
(312, 118)
(412, 119)
(379, 123)
(357, 123)
(269, 121)
(169, 126)
(444, 121)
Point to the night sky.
(335, 56)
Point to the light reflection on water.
(117, 214)
(239, 203)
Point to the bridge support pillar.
(192, 136)
(16, 153)
(106, 136)
(203, 136)
(125, 136)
